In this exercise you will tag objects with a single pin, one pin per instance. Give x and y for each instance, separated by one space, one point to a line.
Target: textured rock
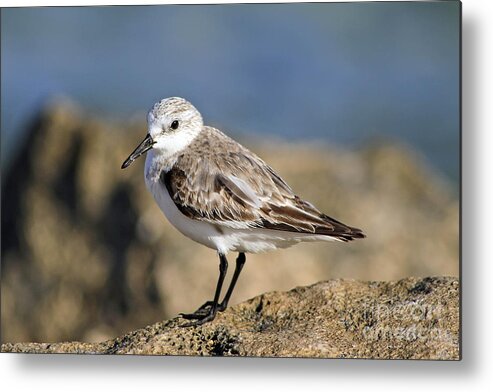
411 319
88 255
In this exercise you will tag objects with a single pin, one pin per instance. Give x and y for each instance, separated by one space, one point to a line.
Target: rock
407 319
88 255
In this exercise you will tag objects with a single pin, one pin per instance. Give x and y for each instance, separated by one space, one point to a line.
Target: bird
222 195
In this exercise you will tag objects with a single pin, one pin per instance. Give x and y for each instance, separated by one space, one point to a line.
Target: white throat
169 144
165 151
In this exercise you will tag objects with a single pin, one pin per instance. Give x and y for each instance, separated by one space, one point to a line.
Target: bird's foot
199 320
204 311
202 315
207 312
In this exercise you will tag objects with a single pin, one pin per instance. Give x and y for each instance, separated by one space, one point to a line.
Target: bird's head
172 124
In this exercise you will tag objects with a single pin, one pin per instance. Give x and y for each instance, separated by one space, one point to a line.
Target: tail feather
340 230
290 220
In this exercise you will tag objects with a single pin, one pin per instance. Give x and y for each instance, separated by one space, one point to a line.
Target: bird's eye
174 124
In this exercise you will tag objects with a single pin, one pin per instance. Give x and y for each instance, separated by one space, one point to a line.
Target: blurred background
364 95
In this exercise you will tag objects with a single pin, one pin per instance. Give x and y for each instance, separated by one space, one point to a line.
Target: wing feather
235 187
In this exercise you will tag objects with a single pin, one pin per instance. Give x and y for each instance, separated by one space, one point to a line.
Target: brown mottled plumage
218 180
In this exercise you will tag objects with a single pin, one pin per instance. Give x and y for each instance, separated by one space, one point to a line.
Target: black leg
203 315
240 262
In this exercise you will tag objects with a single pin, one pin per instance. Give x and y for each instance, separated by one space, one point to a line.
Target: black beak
144 146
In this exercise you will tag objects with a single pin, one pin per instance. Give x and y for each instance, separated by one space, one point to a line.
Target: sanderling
220 194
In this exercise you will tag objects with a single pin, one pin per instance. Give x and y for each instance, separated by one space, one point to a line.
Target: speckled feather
218 181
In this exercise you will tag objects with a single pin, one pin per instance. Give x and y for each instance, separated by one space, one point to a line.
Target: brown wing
236 188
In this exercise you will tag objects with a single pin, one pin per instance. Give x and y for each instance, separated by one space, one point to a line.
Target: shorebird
221 195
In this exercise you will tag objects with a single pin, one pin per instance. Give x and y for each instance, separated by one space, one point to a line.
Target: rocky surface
87 255
408 319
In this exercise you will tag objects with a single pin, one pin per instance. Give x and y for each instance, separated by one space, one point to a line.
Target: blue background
342 73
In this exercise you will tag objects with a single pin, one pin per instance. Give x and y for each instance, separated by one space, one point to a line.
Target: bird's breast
199 231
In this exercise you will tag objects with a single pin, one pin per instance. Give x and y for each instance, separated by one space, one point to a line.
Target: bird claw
200 313
194 316
209 317
203 311
200 316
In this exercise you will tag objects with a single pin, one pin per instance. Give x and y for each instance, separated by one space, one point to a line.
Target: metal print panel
290 188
